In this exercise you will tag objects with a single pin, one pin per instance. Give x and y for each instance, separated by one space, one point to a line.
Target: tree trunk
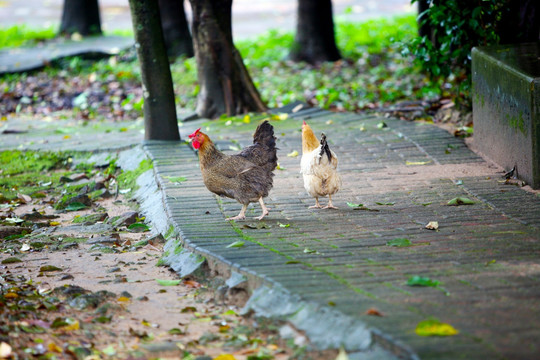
225 84
315 40
160 122
80 16
175 28
424 29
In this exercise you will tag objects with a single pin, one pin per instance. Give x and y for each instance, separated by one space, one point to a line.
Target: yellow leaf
66 137
123 299
72 325
225 357
434 327
146 323
54 223
11 295
247 119
282 116
417 162
54 348
123 129
293 154
329 122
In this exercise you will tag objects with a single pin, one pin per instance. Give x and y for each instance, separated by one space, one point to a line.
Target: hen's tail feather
264 135
325 149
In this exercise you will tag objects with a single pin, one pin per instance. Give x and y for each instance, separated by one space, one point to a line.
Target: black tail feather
264 135
324 149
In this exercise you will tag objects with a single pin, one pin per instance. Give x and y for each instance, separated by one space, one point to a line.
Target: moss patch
128 179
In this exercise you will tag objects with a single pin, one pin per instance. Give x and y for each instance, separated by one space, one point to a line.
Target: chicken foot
241 215
329 206
317 205
264 210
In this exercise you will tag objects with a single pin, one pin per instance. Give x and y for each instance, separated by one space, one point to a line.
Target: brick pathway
337 264
485 255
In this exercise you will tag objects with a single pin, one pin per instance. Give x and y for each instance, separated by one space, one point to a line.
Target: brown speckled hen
246 176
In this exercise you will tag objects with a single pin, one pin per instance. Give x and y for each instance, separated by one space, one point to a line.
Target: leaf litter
68 294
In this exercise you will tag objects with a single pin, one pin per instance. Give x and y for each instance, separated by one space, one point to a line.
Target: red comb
305 122
195 133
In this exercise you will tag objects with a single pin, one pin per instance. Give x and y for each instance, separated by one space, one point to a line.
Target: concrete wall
506 107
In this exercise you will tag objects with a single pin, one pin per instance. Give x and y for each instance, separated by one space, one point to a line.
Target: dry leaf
433 225
373 312
24 198
192 284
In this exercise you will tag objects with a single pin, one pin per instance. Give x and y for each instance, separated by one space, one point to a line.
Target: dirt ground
149 312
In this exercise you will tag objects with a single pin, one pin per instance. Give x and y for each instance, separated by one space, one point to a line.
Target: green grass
373 72
19 35
28 172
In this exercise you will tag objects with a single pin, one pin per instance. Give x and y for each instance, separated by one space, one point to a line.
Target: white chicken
319 168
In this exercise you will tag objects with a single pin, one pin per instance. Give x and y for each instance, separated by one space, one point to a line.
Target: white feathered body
320 173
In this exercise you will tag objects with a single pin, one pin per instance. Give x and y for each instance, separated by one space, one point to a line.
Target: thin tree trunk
315 39
175 28
160 122
80 16
225 84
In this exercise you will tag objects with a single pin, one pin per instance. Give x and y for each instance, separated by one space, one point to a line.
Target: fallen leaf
138 227
293 154
54 348
460 201
76 206
434 327
401 242
422 281
24 198
373 312
176 331
225 357
284 225
48 268
123 299
188 309
25 247
192 284
385 203
11 260
417 162
236 244
433 225
168 282
381 125
279 167
54 223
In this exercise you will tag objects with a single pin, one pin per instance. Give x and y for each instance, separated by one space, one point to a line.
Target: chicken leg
264 209
241 215
329 206
317 205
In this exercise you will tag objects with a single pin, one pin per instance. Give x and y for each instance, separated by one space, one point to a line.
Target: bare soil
146 319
